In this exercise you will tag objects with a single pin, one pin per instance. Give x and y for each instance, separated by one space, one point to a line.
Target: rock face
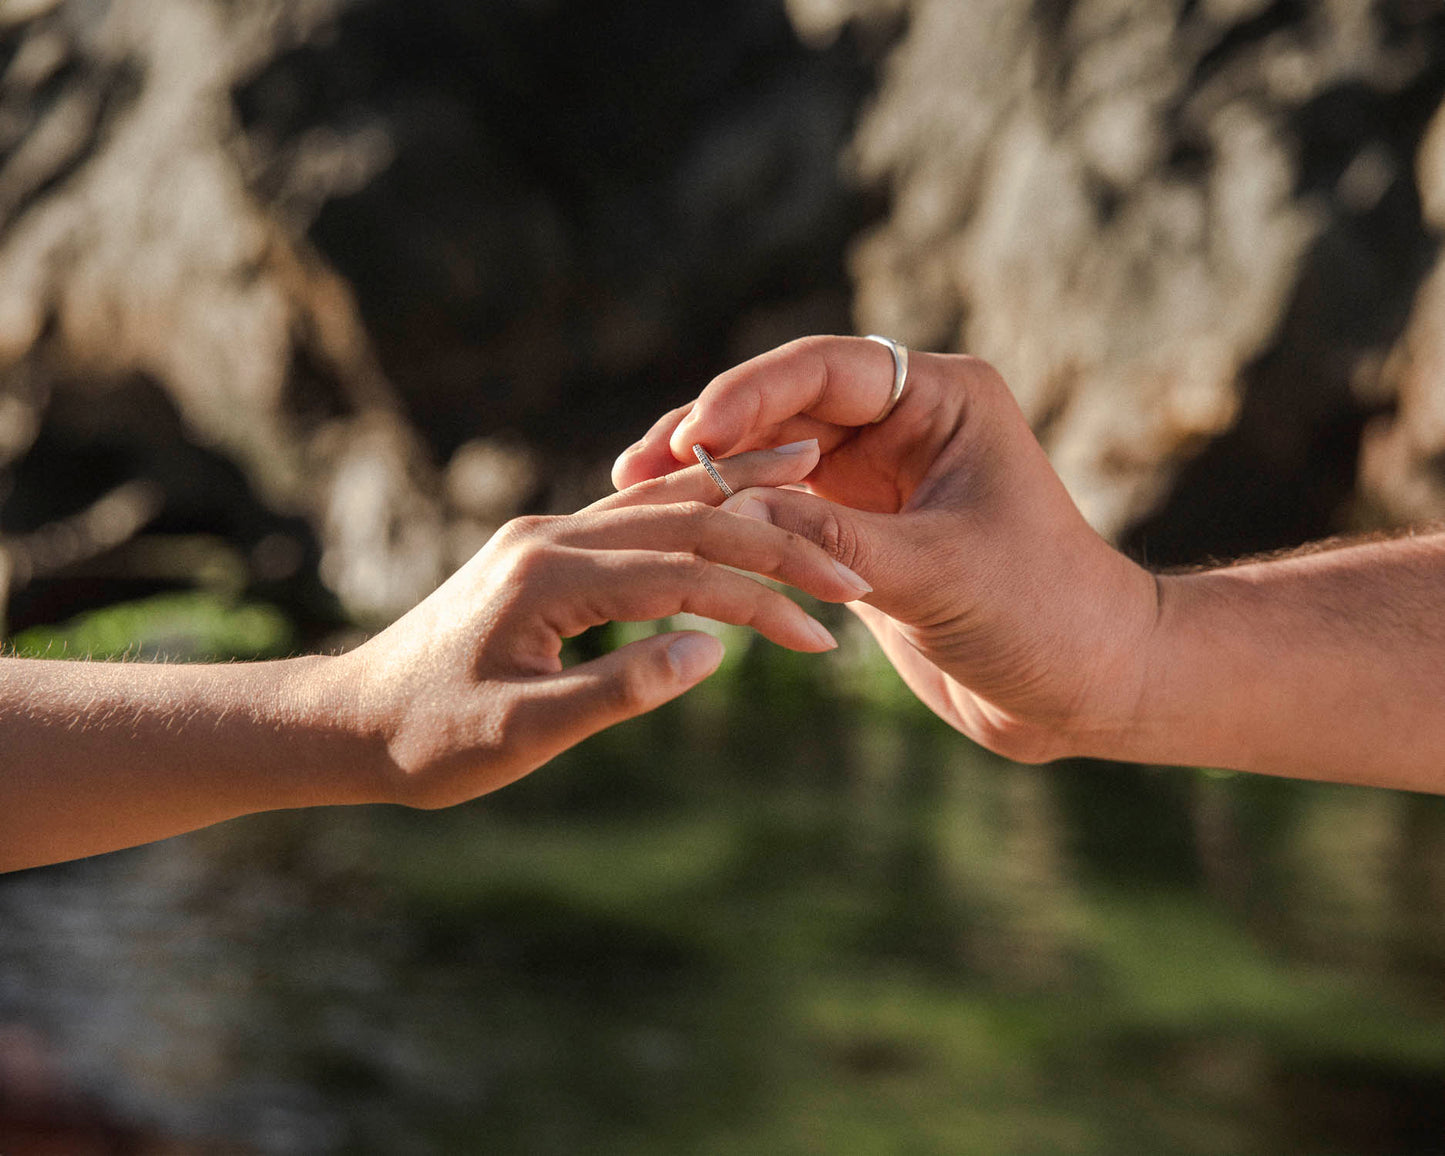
134 248
1402 455
372 275
344 240
1165 220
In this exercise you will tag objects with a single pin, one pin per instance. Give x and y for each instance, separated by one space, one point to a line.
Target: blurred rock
1144 212
133 245
1402 464
487 481
345 238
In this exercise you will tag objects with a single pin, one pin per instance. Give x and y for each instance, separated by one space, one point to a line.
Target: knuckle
531 560
522 535
633 690
839 539
691 568
983 379
524 529
697 514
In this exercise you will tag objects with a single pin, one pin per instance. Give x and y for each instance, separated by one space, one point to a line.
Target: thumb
868 543
560 710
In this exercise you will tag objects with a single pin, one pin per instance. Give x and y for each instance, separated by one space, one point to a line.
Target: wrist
343 758
1115 712
1194 676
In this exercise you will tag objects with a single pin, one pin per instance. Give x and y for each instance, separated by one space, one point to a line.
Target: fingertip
621 478
694 656
684 437
822 638
641 462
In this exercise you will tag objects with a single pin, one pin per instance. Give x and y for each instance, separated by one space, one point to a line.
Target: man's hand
998 604
1021 627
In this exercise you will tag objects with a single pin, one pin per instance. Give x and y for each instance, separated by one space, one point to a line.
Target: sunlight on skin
462 695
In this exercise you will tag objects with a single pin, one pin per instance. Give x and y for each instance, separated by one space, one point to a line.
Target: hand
468 691
462 695
992 596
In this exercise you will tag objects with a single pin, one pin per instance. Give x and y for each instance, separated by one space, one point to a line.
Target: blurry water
790 914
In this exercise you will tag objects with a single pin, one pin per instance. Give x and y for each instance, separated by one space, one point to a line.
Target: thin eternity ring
706 459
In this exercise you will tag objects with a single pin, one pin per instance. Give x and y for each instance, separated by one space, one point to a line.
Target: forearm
1327 665
97 756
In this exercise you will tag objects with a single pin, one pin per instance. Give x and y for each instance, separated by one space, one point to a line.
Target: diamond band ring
706 459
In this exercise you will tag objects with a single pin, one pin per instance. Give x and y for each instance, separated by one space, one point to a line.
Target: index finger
778 466
840 381
814 387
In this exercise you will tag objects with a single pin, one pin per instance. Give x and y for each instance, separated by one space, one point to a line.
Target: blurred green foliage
185 626
793 913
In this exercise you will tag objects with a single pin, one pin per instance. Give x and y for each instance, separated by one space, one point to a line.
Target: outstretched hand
468 691
462 695
999 605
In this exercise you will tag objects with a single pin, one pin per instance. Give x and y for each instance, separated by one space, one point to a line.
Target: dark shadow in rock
1284 474
578 219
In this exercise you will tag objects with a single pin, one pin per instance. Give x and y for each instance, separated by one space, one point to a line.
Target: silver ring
900 372
706 459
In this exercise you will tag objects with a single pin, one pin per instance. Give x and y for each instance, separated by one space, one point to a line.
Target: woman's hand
998 604
464 694
467 692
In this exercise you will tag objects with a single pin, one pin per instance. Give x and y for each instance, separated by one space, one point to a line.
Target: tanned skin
1021 627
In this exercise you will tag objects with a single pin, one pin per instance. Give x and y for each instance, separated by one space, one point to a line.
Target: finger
843 381
649 456
772 467
653 456
718 536
560 710
877 547
583 588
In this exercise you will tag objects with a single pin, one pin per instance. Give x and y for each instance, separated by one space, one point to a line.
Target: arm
462 695
1327 664
1018 625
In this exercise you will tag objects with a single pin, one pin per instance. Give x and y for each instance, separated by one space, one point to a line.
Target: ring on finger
900 372
706 459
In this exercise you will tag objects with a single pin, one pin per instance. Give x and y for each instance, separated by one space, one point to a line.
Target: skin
461 696
1025 630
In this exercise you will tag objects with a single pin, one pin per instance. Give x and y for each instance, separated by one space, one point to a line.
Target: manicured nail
801 447
752 508
853 579
694 656
820 632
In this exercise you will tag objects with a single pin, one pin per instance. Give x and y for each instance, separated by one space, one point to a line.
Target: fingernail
694 656
801 447
820 632
851 577
752 508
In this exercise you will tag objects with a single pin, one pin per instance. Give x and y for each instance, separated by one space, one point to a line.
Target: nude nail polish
851 577
820 632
